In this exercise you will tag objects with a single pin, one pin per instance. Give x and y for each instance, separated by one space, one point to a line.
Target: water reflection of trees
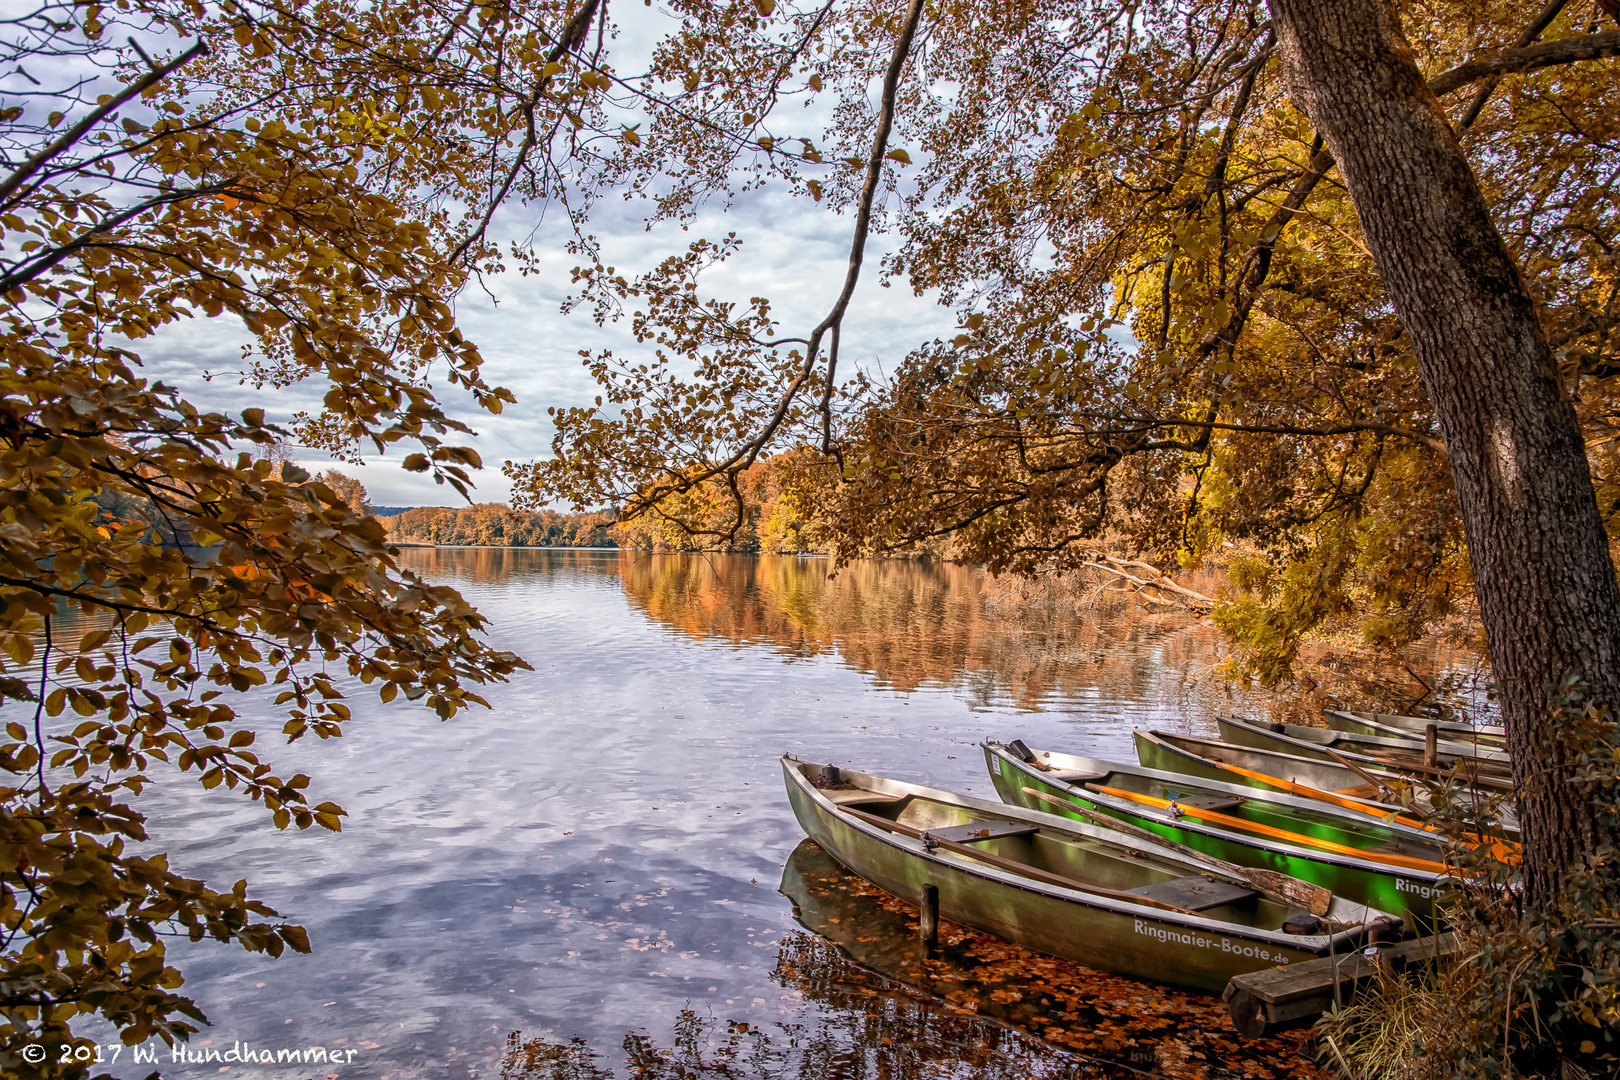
909 624
492 565
912 625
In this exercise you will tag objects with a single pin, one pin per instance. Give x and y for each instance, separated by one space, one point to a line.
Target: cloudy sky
794 253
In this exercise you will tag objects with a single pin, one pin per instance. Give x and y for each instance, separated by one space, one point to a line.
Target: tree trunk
1544 579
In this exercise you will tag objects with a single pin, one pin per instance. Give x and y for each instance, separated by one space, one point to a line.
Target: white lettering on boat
1417 888
1187 937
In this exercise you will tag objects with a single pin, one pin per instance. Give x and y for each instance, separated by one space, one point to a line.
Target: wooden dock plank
1262 1001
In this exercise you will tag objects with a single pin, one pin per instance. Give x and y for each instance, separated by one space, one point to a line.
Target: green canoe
1365 750
1212 759
1393 867
1479 736
1078 891
1312 777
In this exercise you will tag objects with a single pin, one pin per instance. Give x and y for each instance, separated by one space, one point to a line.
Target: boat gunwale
1468 735
1487 729
1282 798
1165 739
1320 944
1193 824
1461 751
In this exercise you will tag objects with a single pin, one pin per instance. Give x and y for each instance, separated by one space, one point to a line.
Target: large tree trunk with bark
1544 579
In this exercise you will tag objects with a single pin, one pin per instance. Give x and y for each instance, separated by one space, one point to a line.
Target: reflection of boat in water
1062 887
981 995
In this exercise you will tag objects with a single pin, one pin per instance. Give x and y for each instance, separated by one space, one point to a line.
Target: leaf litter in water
977 1007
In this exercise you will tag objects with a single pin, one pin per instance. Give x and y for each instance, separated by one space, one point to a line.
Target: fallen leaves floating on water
1107 1019
876 1004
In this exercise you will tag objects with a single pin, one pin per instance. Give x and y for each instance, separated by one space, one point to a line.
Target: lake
585 880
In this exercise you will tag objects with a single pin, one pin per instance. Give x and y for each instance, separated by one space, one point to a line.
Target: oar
1377 784
1305 791
1494 777
1022 869
1485 781
1287 890
1506 850
1301 839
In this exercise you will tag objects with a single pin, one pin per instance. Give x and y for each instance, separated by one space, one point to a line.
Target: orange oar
1318 794
1506 850
1405 861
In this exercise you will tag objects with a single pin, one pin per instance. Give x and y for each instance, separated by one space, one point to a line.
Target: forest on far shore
497 525
771 520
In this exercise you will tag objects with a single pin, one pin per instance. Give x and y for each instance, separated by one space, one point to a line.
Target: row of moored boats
1271 845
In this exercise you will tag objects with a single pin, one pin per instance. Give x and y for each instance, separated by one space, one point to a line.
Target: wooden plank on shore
1262 1001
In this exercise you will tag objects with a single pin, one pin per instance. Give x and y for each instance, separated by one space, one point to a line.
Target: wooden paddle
1377 784
1475 776
1404 861
1022 869
1280 887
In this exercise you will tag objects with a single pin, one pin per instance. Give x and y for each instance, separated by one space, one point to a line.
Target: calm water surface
595 862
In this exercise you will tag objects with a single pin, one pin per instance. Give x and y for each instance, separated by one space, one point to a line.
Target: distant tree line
704 519
497 525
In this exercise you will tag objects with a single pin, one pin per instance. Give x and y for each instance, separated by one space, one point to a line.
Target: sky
794 252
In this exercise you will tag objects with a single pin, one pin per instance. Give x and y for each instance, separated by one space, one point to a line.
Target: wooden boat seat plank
974 831
858 797
1210 801
1195 892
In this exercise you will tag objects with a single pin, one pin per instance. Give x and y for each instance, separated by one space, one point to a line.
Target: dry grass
1393 1027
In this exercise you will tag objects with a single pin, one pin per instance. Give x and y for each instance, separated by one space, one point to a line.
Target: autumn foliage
155 566
491 524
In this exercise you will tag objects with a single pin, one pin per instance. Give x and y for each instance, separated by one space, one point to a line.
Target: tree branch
51 257
1547 54
573 34
1419 437
749 452
28 168
1542 20
1195 600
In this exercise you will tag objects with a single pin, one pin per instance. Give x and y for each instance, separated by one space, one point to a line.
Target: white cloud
794 252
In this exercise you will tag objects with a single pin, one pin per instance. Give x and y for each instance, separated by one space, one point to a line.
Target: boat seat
1076 776
972 831
1212 803
1194 892
860 797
